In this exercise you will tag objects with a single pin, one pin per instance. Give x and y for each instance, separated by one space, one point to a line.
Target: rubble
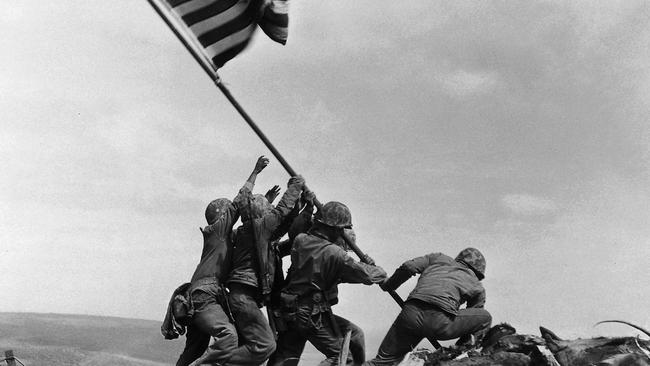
502 346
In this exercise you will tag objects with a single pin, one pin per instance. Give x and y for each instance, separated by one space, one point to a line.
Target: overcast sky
519 128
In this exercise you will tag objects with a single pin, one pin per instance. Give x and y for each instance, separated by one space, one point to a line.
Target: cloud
527 205
463 83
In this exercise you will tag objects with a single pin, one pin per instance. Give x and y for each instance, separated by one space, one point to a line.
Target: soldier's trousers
209 321
256 340
419 320
322 334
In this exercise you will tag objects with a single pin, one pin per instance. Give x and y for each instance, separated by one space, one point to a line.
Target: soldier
432 308
253 271
318 265
209 318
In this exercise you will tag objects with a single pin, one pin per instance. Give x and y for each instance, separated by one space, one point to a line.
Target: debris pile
503 346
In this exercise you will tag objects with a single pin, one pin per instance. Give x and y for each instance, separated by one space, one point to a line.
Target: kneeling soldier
432 308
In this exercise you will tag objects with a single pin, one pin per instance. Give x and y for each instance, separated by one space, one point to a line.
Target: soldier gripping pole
392 293
212 73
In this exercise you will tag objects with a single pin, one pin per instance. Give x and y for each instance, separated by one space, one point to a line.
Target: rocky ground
503 346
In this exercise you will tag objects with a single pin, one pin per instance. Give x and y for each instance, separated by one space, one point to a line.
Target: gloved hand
308 197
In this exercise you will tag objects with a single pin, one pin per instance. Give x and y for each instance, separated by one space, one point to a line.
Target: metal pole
256 129
217 80
200 59
398 299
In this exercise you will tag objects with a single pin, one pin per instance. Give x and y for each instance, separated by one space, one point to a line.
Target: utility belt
316 303
183 305
316 300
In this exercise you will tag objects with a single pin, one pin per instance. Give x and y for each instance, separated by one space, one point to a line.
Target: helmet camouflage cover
216 209
258 205
335 214
473 258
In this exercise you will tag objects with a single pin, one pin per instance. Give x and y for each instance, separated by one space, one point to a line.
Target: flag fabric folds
223 28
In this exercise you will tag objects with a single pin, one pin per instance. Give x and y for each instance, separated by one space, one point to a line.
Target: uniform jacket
217 245
443 282
319 265
253 260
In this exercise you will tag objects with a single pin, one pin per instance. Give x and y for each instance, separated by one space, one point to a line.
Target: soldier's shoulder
335 250
304 239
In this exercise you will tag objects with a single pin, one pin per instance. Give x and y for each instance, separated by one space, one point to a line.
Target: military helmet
474 259
257 206
335 214
216 209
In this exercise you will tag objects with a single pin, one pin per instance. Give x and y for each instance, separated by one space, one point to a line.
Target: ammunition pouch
313 305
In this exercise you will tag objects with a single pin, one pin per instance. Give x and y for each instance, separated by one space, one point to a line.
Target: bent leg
475 321
212 320
290 345
196 343
402 337
257 341
357 340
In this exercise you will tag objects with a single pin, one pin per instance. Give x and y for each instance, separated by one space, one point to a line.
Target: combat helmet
335 214
257 206
216 209
474 259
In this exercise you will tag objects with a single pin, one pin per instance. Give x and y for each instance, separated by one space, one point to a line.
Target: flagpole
217 80
208 70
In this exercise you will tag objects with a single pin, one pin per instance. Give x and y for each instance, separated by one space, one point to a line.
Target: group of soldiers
240 271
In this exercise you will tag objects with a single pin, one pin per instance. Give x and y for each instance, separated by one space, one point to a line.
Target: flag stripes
224 28
275 22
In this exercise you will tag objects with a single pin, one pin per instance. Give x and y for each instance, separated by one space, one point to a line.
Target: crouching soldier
206 292
432 308
318 264
253 271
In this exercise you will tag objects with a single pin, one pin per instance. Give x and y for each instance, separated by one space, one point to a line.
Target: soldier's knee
269 349
487 319
226 342
262 351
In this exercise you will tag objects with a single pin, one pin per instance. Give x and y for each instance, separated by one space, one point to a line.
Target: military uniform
432 309
253 273
317 266
209 318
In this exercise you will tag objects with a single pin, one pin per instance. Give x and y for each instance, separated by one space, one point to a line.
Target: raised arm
246 191
261 163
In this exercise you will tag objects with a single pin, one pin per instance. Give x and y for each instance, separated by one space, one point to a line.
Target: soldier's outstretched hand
308 197
262 162
272 193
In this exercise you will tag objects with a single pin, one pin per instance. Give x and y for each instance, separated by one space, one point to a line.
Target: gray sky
519 128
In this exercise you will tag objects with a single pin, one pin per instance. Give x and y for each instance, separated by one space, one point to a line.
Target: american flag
223 28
